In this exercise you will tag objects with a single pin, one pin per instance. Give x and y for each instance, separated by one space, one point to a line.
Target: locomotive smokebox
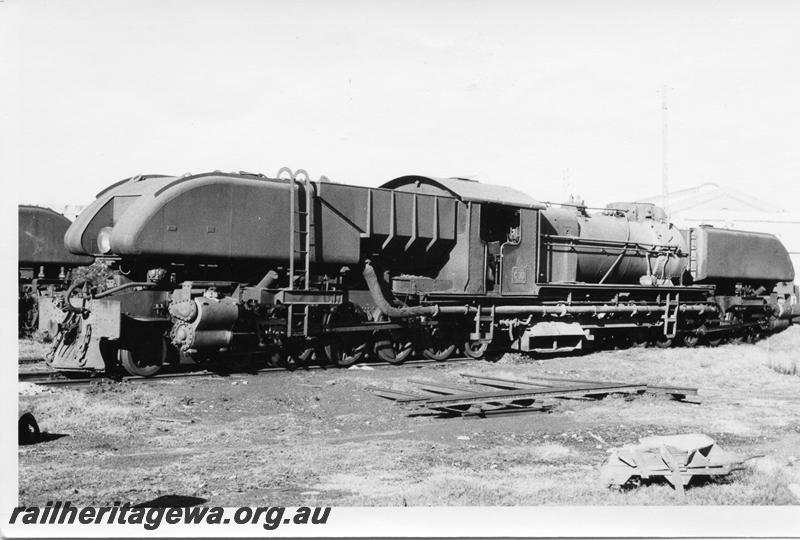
626 243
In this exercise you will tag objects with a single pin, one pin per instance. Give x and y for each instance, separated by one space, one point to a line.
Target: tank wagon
290 269
44 267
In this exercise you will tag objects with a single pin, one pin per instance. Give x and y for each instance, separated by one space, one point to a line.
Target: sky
552 98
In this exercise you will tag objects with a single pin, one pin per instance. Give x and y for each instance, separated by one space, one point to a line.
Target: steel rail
53 377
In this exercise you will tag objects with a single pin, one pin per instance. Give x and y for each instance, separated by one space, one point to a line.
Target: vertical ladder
693 252
484 326
299 232
671 316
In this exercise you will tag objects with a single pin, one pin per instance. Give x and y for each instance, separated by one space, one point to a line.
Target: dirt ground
319 438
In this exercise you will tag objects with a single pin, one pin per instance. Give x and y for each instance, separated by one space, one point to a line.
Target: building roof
712 197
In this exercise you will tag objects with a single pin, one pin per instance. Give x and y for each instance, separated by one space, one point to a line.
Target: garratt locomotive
288 269
44 266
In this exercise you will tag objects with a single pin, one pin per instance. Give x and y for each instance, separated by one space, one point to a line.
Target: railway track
30 360
52 378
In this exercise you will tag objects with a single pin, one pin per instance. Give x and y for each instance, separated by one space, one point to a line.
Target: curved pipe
270 278
68 304
374 285
398 313
130 285
108 292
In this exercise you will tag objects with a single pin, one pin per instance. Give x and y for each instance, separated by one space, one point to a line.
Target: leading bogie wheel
145 357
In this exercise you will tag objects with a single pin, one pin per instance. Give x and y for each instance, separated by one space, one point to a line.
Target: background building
712 204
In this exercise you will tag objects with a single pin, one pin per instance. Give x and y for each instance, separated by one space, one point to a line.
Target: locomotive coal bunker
216 265
44 266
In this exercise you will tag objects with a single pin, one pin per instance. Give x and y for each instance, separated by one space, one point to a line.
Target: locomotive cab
500 225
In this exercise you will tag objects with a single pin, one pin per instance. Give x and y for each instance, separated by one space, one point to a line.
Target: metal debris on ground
28 428
511 395
674 458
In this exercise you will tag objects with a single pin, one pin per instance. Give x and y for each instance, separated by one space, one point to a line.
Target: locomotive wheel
740 337
440 347
345 353
440 353
662 342
297 359
393 350
274 357
690 340
345 350
144 358
475 349
393 346
639 339
714 342
754 335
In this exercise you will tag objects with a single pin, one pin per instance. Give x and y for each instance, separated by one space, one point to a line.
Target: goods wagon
44 267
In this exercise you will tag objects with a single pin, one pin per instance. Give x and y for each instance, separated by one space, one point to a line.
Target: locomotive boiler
223 265
44 266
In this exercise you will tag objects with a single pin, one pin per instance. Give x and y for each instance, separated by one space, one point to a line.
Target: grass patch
785 365
123 412
33 347
783 351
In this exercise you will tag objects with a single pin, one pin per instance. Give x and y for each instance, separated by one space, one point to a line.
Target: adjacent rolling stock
44 266
290 269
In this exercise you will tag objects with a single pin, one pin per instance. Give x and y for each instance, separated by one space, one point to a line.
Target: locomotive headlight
104 240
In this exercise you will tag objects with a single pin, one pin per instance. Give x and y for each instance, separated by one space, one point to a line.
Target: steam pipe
570 310
383 304
374 285
107 292
129 285
268 279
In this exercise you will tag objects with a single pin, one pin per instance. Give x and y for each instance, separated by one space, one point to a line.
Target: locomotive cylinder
210 326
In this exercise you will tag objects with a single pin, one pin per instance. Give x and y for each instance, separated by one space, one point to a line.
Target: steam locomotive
285 270
44 267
